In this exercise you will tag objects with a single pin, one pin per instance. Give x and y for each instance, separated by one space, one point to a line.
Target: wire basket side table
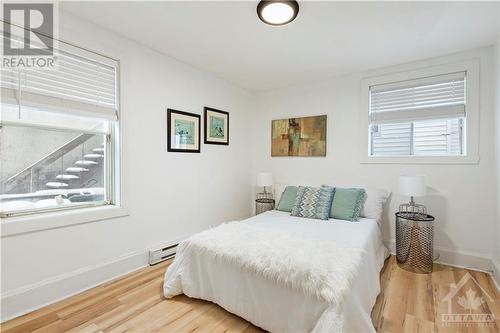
263 205
414 241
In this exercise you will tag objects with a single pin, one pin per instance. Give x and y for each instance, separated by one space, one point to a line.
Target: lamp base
412 207
265 194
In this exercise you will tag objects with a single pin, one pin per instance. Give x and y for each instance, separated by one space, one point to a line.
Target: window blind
81 83
421 117
437 97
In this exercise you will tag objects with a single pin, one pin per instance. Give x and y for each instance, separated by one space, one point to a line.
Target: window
423 117
59 134
426 115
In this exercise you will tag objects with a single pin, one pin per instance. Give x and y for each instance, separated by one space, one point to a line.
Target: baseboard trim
459 259
29 298
464 260
496 274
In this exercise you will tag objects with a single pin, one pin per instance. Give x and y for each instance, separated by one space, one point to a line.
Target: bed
277 307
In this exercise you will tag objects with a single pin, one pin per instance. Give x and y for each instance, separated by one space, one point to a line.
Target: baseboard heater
159 255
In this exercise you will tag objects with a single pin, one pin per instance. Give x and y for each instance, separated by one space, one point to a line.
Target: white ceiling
326 39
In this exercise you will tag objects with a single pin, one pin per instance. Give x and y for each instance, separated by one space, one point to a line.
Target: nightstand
414 241
263 205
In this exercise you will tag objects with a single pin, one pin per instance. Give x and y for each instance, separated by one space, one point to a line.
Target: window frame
471 67
19 222
58 217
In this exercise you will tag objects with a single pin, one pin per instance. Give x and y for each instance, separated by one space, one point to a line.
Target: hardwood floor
408 302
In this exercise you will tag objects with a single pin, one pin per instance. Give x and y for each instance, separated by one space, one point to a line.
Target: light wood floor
408 302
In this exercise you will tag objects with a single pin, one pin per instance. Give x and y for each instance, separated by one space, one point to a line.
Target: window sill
419 160
24 224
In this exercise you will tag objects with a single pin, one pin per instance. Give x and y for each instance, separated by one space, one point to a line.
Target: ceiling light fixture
277 12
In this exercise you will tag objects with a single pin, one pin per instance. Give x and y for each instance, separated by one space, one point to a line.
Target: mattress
276 308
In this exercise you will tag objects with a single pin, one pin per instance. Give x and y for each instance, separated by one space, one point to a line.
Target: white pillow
278 191
374 204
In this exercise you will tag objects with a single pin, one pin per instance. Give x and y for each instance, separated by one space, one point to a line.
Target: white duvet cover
274 306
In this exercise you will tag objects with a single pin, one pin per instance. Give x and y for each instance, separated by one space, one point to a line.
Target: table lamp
412 186
264 179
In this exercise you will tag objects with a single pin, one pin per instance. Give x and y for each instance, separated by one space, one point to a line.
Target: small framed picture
216 126
183 131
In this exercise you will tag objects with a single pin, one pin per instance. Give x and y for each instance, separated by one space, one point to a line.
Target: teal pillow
287 199
313 202
347 203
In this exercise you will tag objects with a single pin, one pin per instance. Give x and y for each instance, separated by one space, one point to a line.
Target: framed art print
183 131
304 136
216 126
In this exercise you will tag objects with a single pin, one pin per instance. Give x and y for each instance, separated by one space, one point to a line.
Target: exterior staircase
74 172
71 166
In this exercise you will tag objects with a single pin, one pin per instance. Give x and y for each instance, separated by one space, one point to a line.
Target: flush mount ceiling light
277 12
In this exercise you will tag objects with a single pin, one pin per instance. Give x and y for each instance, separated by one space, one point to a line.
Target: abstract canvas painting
304 136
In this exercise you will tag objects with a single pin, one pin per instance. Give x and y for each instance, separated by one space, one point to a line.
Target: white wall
462 197
171 195
168 195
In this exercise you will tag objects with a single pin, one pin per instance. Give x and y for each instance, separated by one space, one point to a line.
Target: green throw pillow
347 203
287 199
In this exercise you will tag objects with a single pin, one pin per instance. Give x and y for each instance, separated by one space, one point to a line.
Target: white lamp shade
264 179
412 186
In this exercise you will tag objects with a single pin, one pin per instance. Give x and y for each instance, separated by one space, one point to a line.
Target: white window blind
422 117
82 83
429 98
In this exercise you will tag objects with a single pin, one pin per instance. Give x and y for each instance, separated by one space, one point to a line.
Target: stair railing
50 158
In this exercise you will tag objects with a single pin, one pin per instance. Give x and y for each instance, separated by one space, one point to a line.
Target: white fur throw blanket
316 268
